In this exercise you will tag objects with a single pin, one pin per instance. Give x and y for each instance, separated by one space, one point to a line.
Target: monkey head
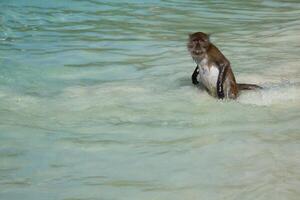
198 44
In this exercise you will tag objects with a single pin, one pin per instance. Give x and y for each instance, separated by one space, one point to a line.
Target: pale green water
96 101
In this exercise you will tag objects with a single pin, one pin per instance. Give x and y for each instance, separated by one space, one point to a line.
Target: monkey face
198 44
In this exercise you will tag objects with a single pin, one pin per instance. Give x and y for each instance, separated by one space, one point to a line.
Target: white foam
276 94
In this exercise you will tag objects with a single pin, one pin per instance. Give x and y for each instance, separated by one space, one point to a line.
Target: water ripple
96 101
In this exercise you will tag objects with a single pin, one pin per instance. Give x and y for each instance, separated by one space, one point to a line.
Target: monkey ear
208 35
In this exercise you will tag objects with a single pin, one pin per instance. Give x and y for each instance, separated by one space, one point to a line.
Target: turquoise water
96 101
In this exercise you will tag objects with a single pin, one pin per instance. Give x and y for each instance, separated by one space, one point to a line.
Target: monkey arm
194 76
223 67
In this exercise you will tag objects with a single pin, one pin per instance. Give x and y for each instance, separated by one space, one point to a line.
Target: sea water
96 101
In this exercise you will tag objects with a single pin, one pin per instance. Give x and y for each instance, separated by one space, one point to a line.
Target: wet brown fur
200 47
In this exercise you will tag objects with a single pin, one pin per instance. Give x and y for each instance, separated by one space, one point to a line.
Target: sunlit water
96 101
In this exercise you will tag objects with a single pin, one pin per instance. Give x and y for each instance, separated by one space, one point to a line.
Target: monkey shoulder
216 57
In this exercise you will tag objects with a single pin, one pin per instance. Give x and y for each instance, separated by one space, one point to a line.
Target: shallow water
96 101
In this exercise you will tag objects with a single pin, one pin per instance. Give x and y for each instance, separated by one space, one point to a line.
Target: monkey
213 68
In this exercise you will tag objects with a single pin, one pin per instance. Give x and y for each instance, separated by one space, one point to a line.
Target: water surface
96 101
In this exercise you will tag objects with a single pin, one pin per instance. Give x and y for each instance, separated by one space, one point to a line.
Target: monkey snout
197 52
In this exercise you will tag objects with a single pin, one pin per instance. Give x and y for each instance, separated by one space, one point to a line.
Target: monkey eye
195 41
